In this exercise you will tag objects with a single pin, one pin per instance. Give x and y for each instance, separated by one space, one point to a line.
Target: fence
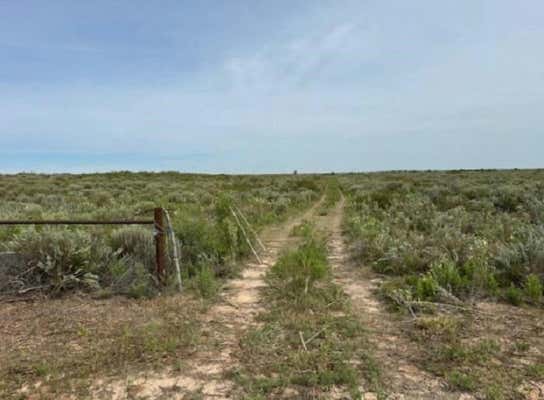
160 217
157 222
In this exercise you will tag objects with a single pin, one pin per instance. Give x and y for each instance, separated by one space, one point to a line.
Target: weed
304 229
514 295
494 392
426 288
533 288
300 269
461 381
536 371
521 347
205 283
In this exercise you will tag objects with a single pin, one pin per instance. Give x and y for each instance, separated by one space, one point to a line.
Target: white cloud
338 82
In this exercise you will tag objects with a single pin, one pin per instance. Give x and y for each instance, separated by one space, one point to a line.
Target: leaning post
160 245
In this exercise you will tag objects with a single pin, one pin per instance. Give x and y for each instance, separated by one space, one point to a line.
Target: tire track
402 378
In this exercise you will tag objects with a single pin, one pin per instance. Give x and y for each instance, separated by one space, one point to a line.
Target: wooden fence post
160 245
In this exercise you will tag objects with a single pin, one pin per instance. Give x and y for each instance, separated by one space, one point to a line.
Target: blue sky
270 86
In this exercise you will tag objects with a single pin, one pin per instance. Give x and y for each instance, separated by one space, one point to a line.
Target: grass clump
514 295
333 194
461 381
299 270
304 229
59 260
533 288
205 283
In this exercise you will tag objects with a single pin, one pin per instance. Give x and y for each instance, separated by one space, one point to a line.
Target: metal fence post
160 244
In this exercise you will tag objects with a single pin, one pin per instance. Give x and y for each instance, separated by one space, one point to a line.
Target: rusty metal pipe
75 222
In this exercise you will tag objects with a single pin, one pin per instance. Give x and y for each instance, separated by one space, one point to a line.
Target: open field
457 259
404 285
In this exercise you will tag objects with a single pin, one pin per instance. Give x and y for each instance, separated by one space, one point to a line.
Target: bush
461 381
470 234
426 288
61 259
102 199
507 200
514 295
136 242
207 243
199 207
446 274
533 288
131 278
516 261
204 282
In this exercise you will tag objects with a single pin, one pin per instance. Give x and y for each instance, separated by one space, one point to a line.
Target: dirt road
402 378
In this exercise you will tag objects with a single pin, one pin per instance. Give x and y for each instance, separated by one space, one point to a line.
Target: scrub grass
63 346
308 342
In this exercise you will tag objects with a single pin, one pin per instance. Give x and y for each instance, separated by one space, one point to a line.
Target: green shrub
214 242
102 199
205 283
446 274
481 278
461 381
514 295
486 226
533 288
426 288
61 259
129 277
302 267
536 371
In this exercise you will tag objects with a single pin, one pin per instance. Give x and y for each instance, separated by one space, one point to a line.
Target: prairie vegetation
457 260
471 234
119 260
461 256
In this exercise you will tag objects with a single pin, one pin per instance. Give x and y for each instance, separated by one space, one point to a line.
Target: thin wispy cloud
273 86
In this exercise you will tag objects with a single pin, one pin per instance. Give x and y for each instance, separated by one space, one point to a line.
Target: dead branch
246 237
316 335
26 290
302 340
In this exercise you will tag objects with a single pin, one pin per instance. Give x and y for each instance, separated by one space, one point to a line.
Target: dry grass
59 346
493 351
